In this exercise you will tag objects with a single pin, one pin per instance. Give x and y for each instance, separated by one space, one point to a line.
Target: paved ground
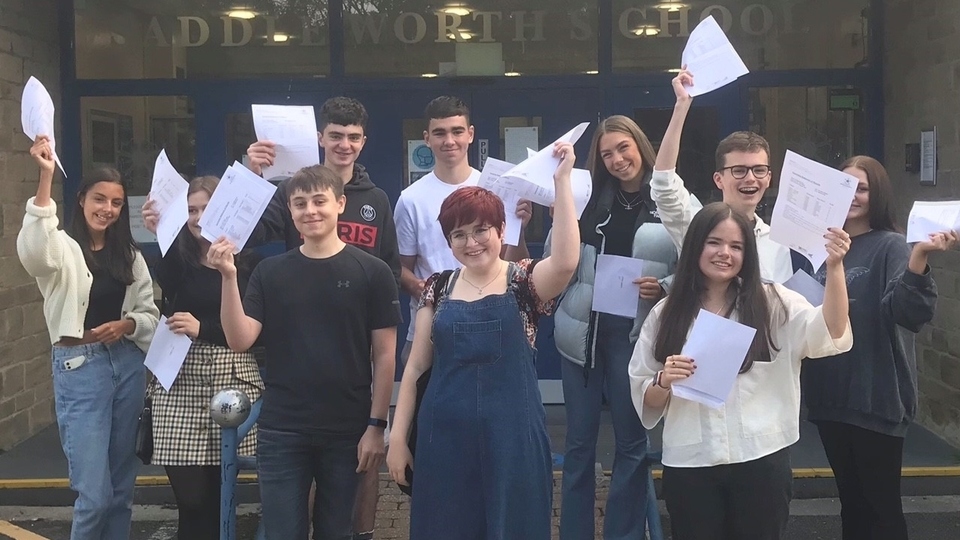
929 518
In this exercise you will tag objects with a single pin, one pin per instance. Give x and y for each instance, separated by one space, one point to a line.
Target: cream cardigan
56 261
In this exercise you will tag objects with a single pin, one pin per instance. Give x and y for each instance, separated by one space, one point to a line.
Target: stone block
11 67
11 380
36 371
950 371
41 414
11 323
33 320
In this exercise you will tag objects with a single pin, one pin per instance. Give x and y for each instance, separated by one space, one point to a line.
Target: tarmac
35 497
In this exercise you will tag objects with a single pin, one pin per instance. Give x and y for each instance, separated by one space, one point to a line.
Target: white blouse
762 413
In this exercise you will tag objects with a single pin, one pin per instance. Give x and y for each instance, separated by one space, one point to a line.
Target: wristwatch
376 422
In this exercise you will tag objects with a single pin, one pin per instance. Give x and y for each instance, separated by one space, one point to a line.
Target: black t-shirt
318 316
620 230
106 294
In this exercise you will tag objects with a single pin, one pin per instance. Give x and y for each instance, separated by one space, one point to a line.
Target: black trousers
740 501
197 490
866 465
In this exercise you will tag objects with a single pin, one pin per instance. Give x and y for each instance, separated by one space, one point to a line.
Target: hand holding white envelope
37 115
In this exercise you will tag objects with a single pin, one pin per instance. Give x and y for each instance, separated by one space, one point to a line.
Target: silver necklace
627 205
717 312
480 289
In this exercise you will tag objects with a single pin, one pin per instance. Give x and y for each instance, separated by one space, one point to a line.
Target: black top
106 294
620 230
318 316
196 289
366 221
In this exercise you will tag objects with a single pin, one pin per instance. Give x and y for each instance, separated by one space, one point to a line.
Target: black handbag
144 443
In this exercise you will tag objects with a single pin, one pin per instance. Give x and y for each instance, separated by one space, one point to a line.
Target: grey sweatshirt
874 385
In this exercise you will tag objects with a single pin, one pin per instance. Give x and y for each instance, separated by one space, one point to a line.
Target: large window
166 39
388 38
821 123
649 35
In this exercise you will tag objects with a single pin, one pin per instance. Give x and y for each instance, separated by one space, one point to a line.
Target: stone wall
29 46
922 90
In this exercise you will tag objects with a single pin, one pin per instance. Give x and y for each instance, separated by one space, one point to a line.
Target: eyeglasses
740 171
481 236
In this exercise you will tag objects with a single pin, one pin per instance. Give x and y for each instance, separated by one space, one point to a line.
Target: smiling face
620 155
860 207
743 194
476 244
341 144
449 138
315 213
722 256
101 205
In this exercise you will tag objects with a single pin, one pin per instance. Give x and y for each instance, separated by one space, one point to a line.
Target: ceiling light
591 72
674 70
670 5
456 9
464 34
280 37
512 74
428 75
241 13
646 30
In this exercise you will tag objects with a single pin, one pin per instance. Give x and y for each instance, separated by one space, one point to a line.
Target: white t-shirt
418 231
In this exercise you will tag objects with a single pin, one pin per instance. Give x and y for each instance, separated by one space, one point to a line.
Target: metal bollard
232 410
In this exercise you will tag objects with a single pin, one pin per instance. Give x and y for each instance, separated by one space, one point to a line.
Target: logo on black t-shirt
343 284
368 213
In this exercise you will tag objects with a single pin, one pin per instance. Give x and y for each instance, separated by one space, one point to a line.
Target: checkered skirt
183 431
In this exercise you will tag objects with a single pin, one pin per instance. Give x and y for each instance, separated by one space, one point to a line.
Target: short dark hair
343 111
740 141
881 211
446 107
314 178
469 204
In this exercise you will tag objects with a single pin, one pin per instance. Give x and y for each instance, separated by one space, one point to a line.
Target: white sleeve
40 244
674 203
406 228
643 369
144 312
808 330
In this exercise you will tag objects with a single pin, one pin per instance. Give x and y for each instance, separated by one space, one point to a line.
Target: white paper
931 217
166 354
614 291
812 198
37 115
710 58
236 206
168 190
293 129
533 177
718 347
807 286
491 172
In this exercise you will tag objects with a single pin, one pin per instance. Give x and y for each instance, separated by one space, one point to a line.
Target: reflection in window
389 38
819 123
128 133
648 35
143 39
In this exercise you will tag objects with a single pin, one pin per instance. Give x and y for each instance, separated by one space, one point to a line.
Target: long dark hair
617 124
683 302
881 212
118 245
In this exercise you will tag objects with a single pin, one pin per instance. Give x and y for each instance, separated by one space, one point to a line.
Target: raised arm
553 274
240 329
836 304
39 244
670 146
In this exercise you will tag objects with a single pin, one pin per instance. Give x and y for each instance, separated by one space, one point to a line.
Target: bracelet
376 422
657 380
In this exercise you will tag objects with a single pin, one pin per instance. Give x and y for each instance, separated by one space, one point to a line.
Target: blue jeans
624 517
287 463
98 402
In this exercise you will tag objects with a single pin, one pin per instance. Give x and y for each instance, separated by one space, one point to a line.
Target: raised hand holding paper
812 198
236 206
37 115
718 345
168 190
931 217
293 129
709 55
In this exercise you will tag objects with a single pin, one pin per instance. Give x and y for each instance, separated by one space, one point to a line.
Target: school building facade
829 78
